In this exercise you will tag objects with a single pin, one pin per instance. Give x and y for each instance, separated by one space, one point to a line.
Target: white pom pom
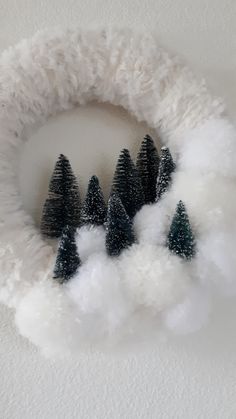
90 240
210 147
153 276
189 315
97 290
48 318
150 224
216 261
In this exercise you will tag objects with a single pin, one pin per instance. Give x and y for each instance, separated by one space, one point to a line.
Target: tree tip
114 200
125 151
181 207
62 157
94 179
148 138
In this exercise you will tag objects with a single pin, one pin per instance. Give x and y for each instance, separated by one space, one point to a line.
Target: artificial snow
90 239
153 277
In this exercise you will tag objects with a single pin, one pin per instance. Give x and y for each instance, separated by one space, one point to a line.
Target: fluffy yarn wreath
51 73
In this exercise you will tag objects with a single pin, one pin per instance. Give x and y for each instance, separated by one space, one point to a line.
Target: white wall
192 377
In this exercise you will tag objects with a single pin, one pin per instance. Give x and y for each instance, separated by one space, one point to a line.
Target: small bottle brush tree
94 208
62 207
166 169
127 184
67 261
119 227
180 238
148 168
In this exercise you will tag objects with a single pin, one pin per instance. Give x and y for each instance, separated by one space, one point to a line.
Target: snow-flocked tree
62 207
127 184
166 169
119 229
94 208
148 168
181 240
68 260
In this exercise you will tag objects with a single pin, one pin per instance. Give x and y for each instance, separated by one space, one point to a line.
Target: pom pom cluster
138 254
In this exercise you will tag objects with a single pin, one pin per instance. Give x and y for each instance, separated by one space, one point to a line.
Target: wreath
149 261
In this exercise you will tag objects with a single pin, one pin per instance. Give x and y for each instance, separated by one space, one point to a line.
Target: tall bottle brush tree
181 240
94 208
62 207
119 234
166 169
148 168
68 260
127 184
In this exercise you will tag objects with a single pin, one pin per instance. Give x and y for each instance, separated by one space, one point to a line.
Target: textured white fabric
53 72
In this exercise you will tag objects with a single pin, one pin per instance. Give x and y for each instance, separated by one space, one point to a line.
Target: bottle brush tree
119 229
127 184
94 208
166 169
148 168
62 207
68 260
180 238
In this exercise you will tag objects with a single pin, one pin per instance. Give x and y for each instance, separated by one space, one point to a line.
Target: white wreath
108 298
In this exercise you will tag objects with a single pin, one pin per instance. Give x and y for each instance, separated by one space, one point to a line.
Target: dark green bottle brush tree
94 208
148 168
127 184
181 240
119 229
62 207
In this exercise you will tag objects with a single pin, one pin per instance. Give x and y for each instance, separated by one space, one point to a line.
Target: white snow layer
89 240
100 301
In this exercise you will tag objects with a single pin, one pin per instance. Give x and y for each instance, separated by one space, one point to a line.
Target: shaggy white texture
108 295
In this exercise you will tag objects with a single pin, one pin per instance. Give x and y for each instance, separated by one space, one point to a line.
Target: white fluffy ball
189 315
154 278
216 262
97 291
210 147
90 239
48 318
150 224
